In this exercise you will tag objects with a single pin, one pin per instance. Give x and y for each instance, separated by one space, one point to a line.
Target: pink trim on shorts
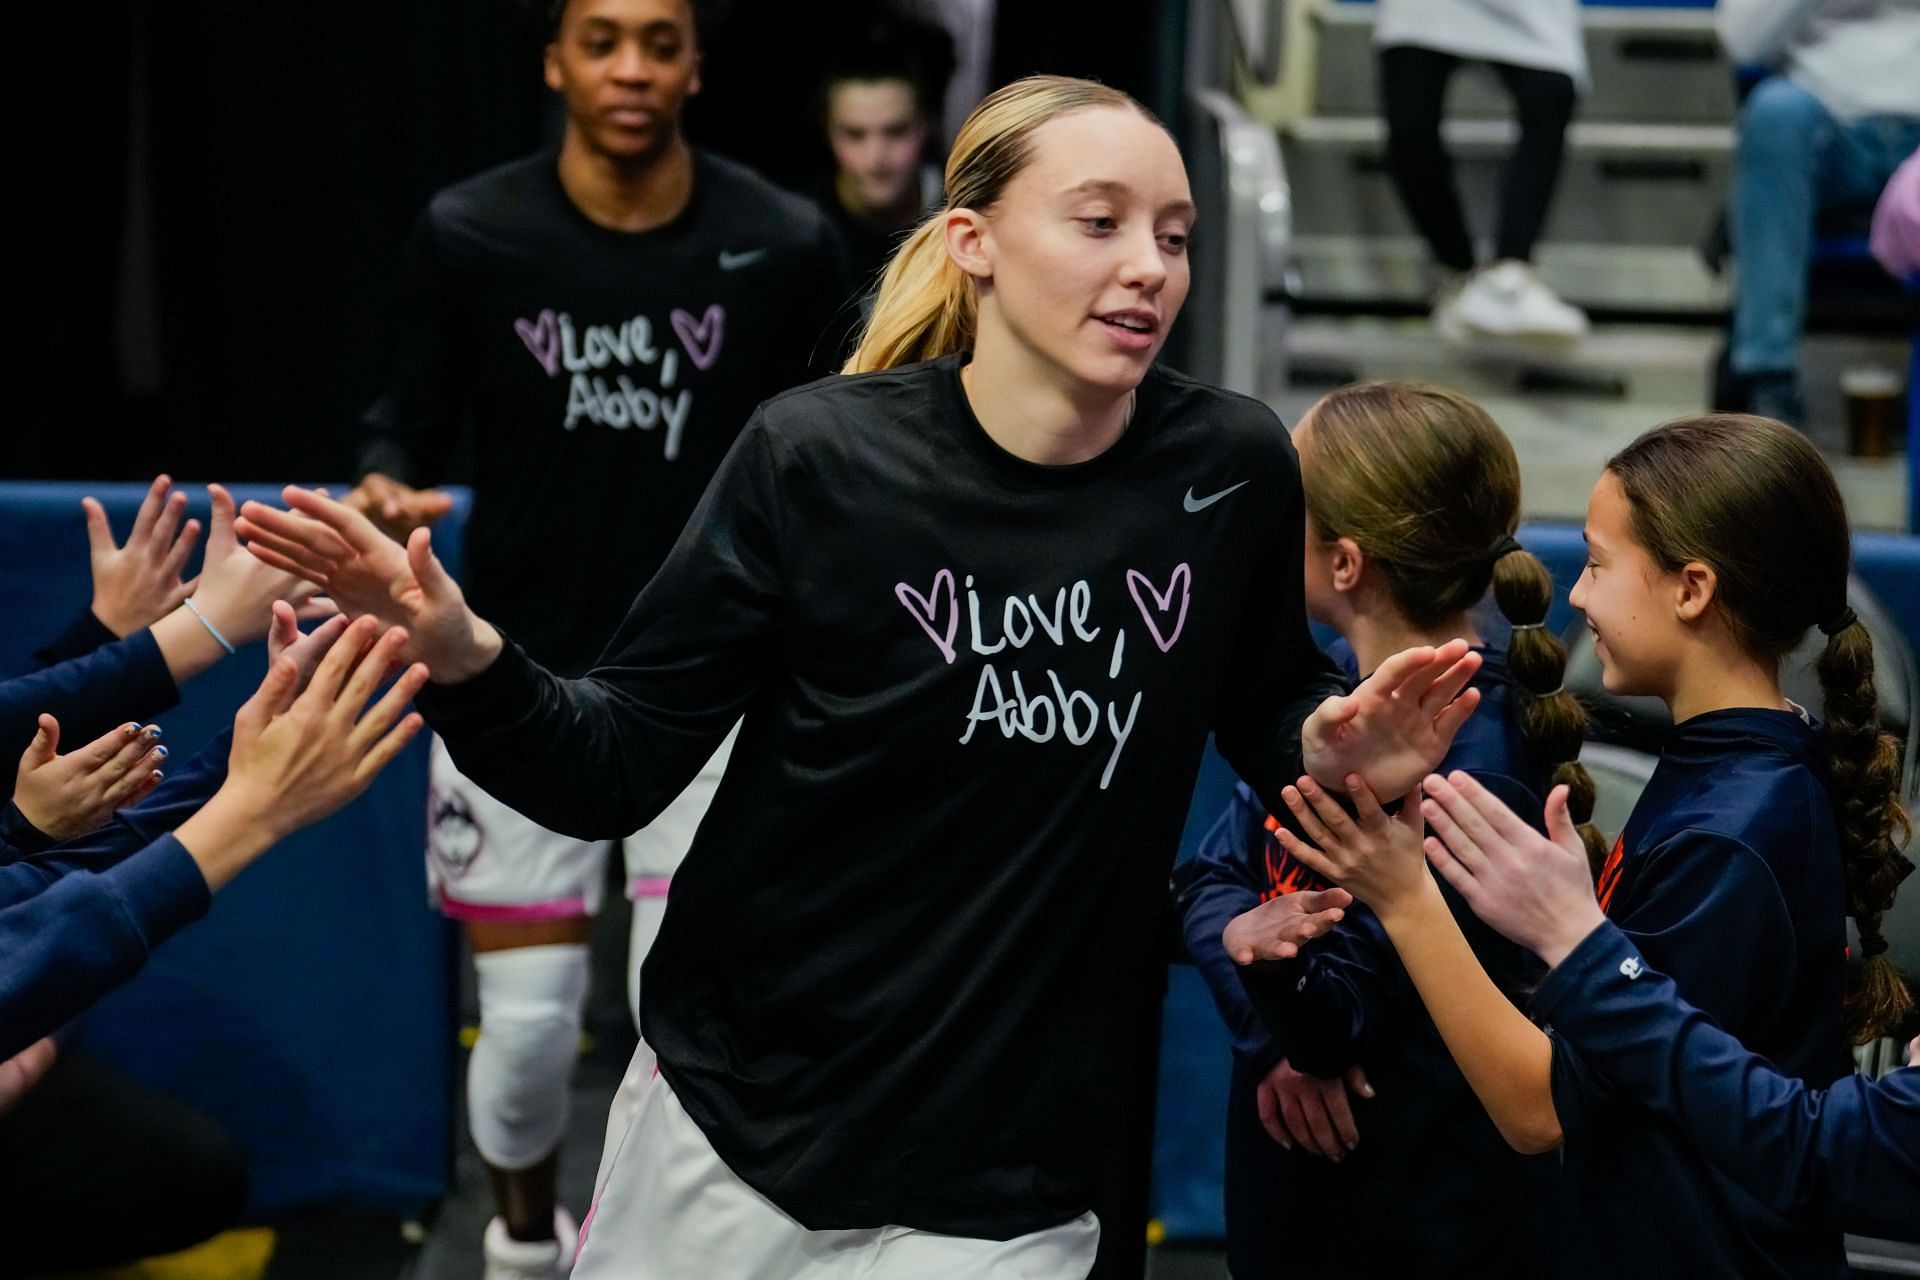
514 913
586 1225
649 886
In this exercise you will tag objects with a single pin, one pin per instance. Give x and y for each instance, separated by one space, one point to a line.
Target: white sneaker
1508 300
510 1259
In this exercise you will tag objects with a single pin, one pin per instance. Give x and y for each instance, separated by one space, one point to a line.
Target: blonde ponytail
924 307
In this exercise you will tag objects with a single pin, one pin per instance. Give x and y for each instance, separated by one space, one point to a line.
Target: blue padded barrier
312 1010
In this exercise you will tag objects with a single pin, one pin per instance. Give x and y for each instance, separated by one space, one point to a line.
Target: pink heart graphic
543 339
1181 582
925 608
701 337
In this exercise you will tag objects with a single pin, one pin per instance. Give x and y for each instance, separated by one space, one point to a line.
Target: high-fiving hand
64 796
300 753
367 573
1535 889
1398 724
397 509
1275 929
1374 855
138 583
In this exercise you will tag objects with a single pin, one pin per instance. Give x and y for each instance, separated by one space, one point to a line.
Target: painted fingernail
131 729
153 732
158 776
159 753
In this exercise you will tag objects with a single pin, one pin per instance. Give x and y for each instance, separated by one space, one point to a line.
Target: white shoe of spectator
1509 300
510 1259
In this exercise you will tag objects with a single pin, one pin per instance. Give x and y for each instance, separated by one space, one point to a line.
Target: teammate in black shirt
878 100
980 607
602 321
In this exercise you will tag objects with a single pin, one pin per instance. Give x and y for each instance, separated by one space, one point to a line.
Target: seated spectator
879 103
1825 132
1534 47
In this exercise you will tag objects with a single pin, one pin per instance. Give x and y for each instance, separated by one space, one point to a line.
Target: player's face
625 68
1627 598
1087 248
878 135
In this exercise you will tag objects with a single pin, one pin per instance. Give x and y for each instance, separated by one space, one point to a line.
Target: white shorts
487 862
666 1207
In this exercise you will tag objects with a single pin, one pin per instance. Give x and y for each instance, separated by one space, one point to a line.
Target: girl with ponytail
980 605
1412 498
1714 545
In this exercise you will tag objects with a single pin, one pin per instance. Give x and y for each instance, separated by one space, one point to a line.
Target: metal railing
1236 338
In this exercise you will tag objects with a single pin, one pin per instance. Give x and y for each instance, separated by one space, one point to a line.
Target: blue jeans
1792 160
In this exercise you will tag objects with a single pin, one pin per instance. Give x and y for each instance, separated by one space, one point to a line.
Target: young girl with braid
1412 495
1714 545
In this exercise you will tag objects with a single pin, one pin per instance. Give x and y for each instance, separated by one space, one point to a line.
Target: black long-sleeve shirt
603 376
895 974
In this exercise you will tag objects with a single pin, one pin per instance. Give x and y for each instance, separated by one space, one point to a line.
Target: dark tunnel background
215 195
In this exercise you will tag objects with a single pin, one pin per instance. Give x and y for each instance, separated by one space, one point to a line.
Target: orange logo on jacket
1285 874
1610 874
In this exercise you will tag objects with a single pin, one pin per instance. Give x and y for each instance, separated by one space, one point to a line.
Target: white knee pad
517 1079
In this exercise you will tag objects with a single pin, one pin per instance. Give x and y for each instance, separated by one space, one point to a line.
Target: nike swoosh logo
1201 504
735 261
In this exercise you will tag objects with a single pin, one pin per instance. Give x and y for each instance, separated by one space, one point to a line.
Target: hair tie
1528 626
1550 693
1504 545
1871 945
1835 625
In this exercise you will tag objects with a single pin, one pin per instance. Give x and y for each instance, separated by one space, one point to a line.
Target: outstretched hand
235 592
397 509
1535 889
1275 930
1397 725
367 574
1371 853
64 796
300 753
137 583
